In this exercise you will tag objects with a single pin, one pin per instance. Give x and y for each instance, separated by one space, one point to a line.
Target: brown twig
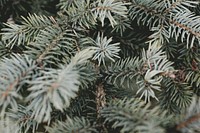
188 121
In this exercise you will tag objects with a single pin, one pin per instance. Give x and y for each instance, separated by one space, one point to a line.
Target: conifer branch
12 80
15 34
188 121
82 67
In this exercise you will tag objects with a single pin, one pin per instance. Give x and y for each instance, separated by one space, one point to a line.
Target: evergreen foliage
100 66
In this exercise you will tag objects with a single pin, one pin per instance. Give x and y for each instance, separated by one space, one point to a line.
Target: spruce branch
80 14
123 72
175 95
64 5
51 45
105 50
122 25
15 72
8 126
55 88
22 118
79 125
178 5
15 34
148 13
147 72
106 8
189 120
159 15
185 25
132 115
82 69
193 77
